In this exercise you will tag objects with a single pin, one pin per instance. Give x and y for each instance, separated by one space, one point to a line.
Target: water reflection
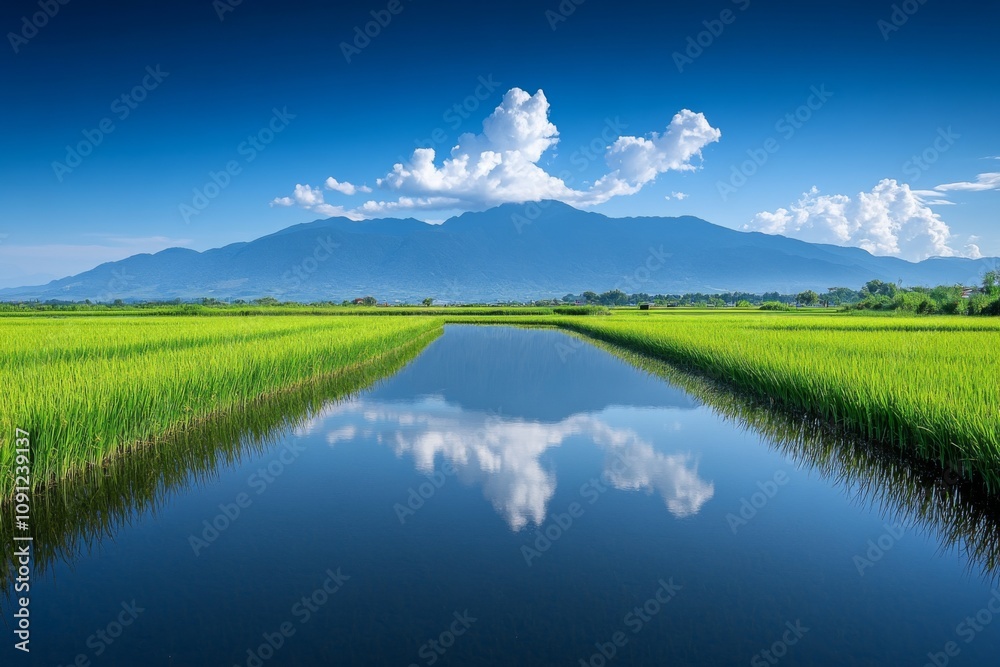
72 518
960 515
504 455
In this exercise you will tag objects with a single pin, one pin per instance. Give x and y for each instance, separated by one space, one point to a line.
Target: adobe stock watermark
301 272
966 631
562 12
585 155
643 273
117 285
880 546
247 151
30 25
561 522
417 496
121 108
634 621
302 611
432 650
923 161
786 127
258 482
223 7
455 115
750 507
632 283
105 637
364 34
898 17
773 654
698 43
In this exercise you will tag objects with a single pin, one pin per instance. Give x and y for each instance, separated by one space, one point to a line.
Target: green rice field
87 388
928 385
91 387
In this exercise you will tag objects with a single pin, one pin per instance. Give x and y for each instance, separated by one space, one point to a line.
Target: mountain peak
510 252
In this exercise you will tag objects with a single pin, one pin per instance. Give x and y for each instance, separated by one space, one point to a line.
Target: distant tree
266 301
991 282
839 295
640 297
775 305
614 297
369 301
945 293
743 303
589 297
807 298
879 288
428 301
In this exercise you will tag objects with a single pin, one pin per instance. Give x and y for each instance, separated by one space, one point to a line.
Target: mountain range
511 252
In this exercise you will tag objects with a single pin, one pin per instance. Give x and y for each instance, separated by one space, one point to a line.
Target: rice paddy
926 385
89 388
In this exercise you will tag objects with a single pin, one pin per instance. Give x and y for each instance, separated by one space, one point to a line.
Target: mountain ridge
497 254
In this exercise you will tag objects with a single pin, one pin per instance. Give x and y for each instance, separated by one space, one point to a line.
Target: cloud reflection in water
503 455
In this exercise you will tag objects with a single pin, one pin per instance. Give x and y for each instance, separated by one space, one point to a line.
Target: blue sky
265 96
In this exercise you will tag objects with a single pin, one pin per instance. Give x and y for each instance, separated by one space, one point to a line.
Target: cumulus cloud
311 199
501 164
987 181
677 195
891 219
344 187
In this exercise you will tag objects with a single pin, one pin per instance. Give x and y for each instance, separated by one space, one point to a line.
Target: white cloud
344 187
311 199
500 164
677 195
987 181
892 219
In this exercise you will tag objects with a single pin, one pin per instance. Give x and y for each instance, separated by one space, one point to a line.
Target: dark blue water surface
516 497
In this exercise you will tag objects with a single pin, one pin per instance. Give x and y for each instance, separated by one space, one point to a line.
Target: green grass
91 503
87 389
927 385
189 309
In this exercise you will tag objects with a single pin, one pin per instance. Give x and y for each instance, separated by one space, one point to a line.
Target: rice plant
89 388
928 385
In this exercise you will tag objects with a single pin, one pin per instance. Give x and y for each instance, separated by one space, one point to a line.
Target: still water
519 497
